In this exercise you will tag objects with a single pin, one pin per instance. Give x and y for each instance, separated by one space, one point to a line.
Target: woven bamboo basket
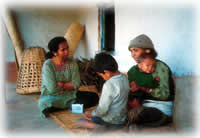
29 75
73 36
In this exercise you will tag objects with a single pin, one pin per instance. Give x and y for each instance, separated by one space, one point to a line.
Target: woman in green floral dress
61 80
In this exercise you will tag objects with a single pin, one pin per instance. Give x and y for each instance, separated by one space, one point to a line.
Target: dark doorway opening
107 29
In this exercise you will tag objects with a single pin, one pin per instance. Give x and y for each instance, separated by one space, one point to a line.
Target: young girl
61 80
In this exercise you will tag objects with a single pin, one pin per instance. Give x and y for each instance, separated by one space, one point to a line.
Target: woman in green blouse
61 80
157 103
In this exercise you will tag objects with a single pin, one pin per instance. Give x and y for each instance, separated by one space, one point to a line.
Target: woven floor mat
67 120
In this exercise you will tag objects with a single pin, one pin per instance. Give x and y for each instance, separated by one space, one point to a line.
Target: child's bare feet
85 123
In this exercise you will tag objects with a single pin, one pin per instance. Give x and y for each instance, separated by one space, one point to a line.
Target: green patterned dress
51 94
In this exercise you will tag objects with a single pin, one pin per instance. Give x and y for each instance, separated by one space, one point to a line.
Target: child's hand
88 115
157 78
133 86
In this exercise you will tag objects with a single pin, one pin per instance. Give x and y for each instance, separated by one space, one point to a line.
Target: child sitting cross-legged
111 111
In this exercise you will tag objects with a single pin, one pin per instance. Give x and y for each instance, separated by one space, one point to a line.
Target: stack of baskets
29 75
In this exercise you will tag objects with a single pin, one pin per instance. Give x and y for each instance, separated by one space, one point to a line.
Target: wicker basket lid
29 75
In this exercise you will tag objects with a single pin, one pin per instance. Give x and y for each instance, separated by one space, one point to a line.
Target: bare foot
85 123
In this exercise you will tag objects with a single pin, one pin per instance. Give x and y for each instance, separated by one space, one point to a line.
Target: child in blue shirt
112 108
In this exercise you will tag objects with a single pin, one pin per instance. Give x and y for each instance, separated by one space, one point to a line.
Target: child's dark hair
53 46
144 56
104 61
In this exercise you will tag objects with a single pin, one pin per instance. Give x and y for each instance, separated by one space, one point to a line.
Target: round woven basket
29 75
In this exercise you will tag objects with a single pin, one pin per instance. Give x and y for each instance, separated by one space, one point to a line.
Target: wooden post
14 36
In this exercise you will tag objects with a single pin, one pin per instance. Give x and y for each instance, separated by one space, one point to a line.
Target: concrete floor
22 115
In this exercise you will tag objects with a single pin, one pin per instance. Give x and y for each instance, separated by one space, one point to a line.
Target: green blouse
51 94
162 91
141 78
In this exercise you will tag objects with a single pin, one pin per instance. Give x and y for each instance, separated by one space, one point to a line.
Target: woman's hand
68 86
60 84
133 86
